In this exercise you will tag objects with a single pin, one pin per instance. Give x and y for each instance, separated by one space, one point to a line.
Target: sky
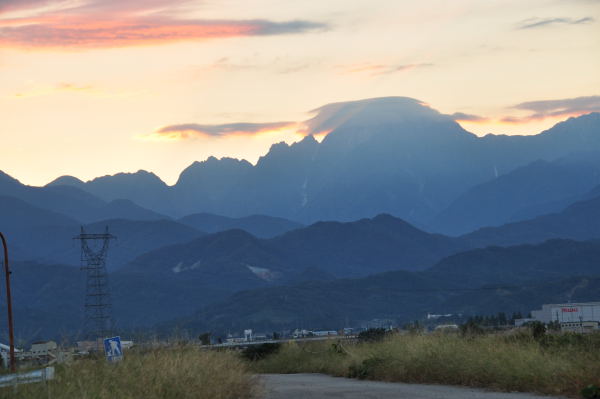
96 87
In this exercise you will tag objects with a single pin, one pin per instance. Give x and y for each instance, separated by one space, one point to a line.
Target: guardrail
271 341
26 378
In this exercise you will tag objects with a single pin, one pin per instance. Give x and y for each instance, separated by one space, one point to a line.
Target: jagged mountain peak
223 160
212 162
214 165
141 173
281 151
309 139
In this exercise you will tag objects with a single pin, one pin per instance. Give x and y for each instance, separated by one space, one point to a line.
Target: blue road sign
113 350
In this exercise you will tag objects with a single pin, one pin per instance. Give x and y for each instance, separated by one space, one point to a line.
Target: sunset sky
95 87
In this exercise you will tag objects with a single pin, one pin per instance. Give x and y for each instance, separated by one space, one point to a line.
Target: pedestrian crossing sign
113 350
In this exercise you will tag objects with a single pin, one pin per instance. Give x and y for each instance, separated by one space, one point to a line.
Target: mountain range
385 155
398 211
509 279
341 264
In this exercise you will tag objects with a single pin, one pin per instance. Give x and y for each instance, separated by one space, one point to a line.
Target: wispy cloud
382 69
61 87
195 130
538 110
280 65
462 117
541 22
73 88
14 5
555 108
110 23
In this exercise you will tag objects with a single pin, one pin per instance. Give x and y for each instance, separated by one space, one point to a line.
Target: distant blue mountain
142 188
40 223
579 221
384 155
481 281
232 280
324 249
45 237
74 202
538 188
258 225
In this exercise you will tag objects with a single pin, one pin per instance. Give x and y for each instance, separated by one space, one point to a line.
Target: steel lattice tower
98 308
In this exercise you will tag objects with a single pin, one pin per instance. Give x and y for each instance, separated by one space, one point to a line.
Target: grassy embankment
184 372
552 364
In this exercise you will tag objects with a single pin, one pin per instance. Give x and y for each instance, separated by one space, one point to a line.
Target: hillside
553 259
48 299
539 188
579 221
526 297
178 278
260 226
335 249
364 247
53 243
479 281
218 293
233 256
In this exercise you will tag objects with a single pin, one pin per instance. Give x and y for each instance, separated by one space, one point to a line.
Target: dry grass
499 362
181 373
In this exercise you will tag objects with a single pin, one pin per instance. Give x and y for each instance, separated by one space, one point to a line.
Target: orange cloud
518 120
543 109
538 111
109 23
194 130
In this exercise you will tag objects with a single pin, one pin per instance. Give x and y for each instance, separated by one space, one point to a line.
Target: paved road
319 386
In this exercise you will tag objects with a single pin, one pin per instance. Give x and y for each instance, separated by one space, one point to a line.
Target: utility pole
11 335
98 322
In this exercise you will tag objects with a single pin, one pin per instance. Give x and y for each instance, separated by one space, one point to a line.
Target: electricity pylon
98 322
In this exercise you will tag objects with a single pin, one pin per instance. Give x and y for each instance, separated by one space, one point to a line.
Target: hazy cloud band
541 22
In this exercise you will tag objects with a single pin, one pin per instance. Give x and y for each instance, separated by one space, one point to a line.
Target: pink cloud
111 23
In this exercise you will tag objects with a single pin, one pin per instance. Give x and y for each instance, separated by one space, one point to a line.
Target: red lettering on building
570 310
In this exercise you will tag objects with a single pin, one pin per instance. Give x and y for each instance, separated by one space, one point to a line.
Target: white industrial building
571 316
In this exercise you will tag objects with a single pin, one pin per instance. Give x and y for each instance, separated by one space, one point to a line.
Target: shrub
556 365
205 338
372 335
257 352
182 373
538 330
471 328
367 368
591 392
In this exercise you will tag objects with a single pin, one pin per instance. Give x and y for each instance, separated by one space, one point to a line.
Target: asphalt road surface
319 386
